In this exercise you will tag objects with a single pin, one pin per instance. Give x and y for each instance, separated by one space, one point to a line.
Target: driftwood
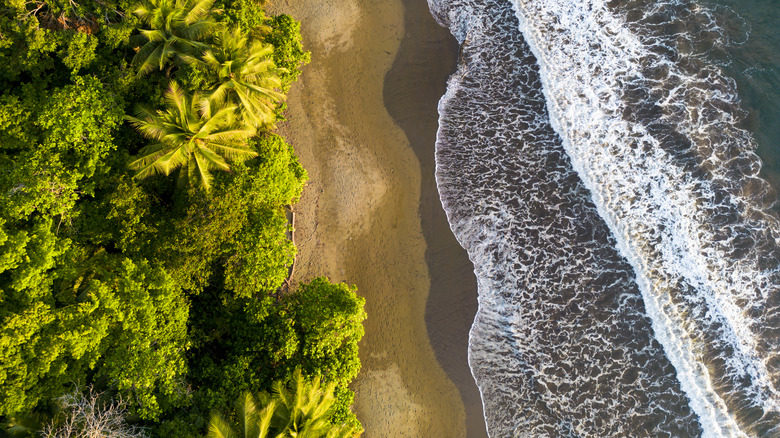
291 236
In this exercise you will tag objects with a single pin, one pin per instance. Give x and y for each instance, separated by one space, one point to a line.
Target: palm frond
174 29
147 166
248 76
266 89
195 134
224 119
220 428
190 60
148 57
263 418
175 98
210 160
249 111
174 159
153 35
198 11
200 29
150 154
232 153
221 92
236 137
156 130
201 169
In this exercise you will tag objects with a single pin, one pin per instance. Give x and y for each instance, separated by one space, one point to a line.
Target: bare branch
86 416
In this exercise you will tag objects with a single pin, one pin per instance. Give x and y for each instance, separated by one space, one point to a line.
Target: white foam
655 208
560 319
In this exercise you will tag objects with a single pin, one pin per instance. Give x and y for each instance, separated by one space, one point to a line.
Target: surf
655 136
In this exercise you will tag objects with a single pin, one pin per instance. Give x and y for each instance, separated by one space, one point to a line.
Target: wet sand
413 87
363 121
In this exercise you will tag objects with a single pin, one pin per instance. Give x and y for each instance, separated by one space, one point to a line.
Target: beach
363 120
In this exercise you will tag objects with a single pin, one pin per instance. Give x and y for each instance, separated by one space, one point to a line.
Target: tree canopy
114 276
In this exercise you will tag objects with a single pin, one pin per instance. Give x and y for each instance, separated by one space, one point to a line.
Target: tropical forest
145 233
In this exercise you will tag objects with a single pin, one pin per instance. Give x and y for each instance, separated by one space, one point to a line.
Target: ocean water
609 168
751 56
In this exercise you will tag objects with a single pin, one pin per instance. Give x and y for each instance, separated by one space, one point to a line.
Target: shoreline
413 87
365 216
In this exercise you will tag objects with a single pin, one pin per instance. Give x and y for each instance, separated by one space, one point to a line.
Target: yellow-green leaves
245 75
297 407
193 133
175 28
58 140
122 319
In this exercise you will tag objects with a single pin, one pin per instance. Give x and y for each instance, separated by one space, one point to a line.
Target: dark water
598 162
753 61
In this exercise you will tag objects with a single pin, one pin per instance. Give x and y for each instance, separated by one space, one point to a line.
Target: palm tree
252 422
303 409
194 134
176 27
246 74
298 409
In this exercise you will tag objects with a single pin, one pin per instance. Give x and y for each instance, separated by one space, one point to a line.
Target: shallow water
753 61
603 180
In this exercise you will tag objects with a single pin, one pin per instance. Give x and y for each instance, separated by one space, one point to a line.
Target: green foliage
329 321
125 320
246 247
51 146
176 27
119 217
50 40
26 47
166 297
259 260
80 51
285 37
317 328
50 143
251 420
306 408
246 14
28 254
245 74
296 408
194 133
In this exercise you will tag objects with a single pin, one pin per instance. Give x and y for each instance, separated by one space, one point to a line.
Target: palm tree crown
303 408
246 74
298 409
176 27
193 133
252 421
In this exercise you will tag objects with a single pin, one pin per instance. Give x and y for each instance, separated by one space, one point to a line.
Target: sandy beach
362 119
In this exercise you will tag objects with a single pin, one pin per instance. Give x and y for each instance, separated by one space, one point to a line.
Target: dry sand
360 219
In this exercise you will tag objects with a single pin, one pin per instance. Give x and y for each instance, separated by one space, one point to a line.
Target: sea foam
653 132
561 344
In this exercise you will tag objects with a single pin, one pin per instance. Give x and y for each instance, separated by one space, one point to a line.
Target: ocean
610 167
